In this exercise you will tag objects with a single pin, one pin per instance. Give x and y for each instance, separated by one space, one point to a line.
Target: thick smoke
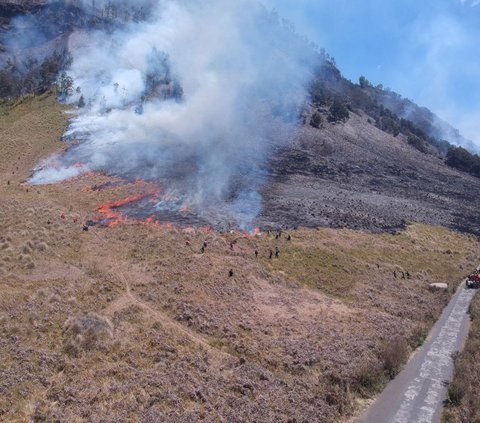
197 97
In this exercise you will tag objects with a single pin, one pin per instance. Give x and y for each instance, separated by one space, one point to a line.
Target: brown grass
300 337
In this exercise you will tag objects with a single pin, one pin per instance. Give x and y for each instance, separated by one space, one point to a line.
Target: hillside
377 166
355 175
118 302
135 323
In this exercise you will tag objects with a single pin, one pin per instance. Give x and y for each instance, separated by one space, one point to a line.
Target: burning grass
173 313
150 208
302 336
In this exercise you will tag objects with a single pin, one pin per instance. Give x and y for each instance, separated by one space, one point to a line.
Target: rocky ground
134 323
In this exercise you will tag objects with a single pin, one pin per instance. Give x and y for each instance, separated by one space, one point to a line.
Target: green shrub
417 143
338 112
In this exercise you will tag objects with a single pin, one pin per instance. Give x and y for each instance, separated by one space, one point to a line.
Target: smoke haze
196 97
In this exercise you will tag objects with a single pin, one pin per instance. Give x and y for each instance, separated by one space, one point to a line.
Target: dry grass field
134 324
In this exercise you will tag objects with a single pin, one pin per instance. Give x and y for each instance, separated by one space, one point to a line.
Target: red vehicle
473 281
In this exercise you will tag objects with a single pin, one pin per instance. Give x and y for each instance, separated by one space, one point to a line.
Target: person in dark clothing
85 228
204 244
202 250
230 273
408 275
271 254
277 252
256 252
289 237
403 275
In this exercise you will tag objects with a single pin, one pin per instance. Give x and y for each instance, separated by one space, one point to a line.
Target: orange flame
114 217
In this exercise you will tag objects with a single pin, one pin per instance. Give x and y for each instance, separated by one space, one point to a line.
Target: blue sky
426 50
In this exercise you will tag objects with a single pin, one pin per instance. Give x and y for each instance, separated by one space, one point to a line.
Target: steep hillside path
418 392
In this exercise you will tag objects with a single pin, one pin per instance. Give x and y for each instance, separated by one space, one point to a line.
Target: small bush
42 246
455 394
394 354
339 394
87 333
369 378
417 143
338 112
316 120
419 335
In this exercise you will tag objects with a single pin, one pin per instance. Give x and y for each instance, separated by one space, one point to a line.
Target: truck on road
473 280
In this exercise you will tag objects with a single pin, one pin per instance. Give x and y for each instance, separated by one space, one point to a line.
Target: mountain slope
364 158
355 175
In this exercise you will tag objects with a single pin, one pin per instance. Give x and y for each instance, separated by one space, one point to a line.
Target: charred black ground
354 175
355 163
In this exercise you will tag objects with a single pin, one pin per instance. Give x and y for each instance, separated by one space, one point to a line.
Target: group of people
405 275
271 252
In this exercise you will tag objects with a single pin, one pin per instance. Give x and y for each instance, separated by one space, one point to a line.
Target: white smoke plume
196 97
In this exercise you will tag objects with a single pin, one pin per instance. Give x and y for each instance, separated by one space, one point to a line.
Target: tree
417 143
463 160
65 85
316 120
338 112
364 82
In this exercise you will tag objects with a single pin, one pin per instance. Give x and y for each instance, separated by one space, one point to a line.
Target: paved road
416 395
